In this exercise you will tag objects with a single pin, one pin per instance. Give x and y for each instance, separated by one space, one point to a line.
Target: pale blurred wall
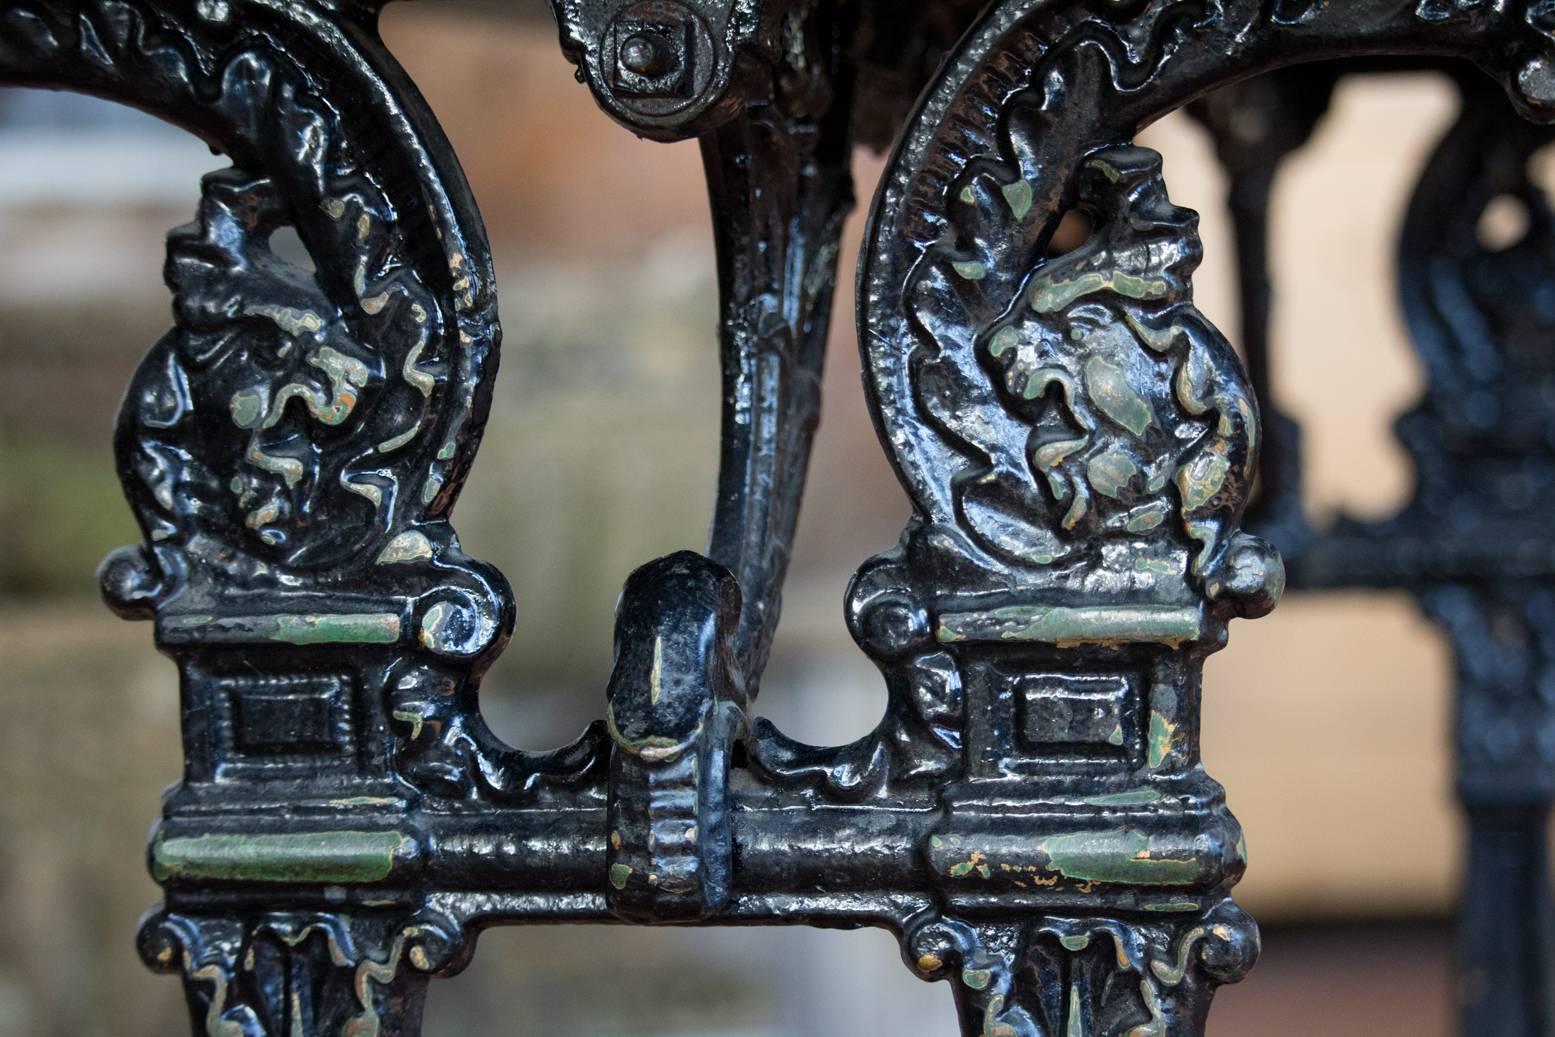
1327 722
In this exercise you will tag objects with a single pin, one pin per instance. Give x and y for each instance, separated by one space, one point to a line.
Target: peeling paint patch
327 628
1110 390
342 857
977 862
1122 857
1132 798
1202 478
410 546
1101 624
1053 296
619 873
1019 198
1162 731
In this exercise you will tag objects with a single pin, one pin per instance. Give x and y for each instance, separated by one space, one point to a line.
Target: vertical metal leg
1504 638
781 187
1478 299
1506 926
1477 266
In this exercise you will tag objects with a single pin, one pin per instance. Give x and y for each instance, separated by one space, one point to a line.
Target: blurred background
601 454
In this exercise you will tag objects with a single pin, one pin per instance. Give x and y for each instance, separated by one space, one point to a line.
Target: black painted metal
1031 816
1474 543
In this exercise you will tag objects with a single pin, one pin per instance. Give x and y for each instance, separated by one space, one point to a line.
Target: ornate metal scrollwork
1471 543
1078 441
292 450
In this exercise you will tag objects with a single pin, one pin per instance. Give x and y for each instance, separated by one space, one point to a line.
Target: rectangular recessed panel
1066 713
300 715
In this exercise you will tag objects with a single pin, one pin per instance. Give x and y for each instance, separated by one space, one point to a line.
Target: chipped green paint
248 407
380 628
346 377
1156 1027
1174 973
1173 906
342 857
653 748
296 323
1075 943
1019 198
410 546
1131 798
393 443
970 270
1110 473
1194 377
435 622
1050 296
431 488
367 490
977 862
977 979
1106 169
1041 379
656 674
1116 737
1150 517
1097 624
1157 567
253 410
1202 478
992 1027
619 873
415 720
261 517
1244 410
1003 340
1109 388
342 628
216 1022
1075 1026
1121 857
1161 340
1162 732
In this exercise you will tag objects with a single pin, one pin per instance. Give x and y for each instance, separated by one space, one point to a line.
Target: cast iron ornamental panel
1078 441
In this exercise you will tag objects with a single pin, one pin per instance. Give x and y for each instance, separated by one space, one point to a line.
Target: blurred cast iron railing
1031 816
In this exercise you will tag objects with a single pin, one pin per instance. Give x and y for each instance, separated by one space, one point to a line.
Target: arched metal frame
1031 816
